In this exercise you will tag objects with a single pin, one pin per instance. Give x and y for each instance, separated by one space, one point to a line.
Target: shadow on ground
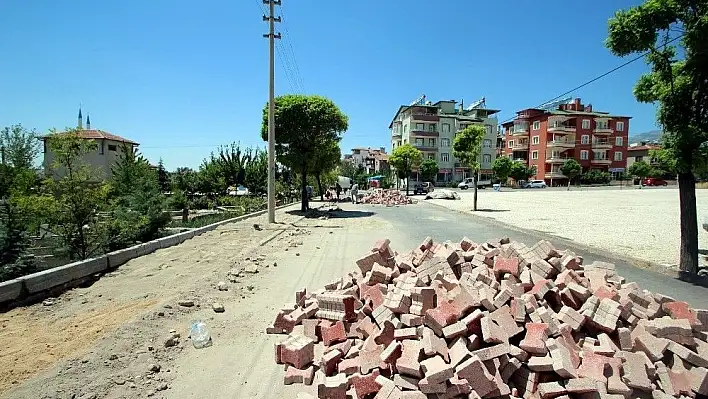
492 210
331 214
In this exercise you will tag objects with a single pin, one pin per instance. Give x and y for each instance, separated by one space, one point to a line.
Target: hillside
646 136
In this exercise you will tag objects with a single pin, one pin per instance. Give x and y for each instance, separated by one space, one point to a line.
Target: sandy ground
101 341
643 224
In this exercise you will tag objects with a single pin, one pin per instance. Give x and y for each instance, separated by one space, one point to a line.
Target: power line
615 69
289 39
291 74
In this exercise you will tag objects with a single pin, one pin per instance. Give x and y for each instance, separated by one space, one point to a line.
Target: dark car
423 188
654 181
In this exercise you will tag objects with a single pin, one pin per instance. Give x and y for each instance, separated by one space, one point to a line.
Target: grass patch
205 220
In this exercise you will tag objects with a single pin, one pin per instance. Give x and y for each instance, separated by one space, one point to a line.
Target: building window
101 147
601 125
618 155
432 128
486 158
536 125
111 147
534 154
446 128
405 128
585 139
420 142
444 157
487 143
534 140
586 123
511 143
445 142
584 155
488 129
431 156
431 142
620 126
420 127
619 141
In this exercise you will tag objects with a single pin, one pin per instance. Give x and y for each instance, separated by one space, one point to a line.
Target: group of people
335 193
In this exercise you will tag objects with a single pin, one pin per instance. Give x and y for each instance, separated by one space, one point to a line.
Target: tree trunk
688 253
319 186
304 204
474 179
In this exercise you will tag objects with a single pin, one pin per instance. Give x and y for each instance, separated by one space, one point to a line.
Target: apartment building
431 128
547 136
373 160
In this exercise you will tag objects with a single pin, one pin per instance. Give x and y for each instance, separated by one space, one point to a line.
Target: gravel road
643 224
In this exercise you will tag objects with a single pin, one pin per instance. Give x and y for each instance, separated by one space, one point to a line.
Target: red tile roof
100 134
644 148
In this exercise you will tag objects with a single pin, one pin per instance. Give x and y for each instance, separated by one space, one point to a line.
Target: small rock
113 357
151 348
132 385
154 367
275 264
217 307
251 268
119 382
48 302
84 360
188 303
151 393
160 314
167 306
89 395
233 279
250 287
222 286
297 254
174 333
162 386
171 341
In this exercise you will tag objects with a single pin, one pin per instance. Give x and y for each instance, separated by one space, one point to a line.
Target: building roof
96 134
643 148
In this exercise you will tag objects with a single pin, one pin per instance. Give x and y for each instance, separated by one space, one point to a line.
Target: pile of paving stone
496 319
390 197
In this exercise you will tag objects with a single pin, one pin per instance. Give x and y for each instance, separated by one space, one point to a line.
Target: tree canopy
467 147
571 169
502 168
640 169
429 169
404 158
20 146
304 126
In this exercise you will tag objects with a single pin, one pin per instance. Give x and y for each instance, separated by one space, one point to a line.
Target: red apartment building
546 137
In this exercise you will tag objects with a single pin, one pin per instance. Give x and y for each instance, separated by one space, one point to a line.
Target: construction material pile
489 320
390 197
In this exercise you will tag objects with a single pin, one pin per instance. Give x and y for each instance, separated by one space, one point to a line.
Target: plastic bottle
200 335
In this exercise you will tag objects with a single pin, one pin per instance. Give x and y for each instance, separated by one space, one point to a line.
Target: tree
502 168
326 161
640 169
163 177
347 168
78 195
404 158
429 169
678 83
14 260
304 126
519 171
19 146
467 147
571 169
256 174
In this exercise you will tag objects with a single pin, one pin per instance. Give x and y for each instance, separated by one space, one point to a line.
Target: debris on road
442 194
187 303
217 307
387 197
251 268
483 320
222 286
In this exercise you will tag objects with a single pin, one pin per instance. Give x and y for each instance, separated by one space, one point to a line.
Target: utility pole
272 19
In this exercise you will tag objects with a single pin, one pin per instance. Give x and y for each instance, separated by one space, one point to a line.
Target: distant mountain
646 136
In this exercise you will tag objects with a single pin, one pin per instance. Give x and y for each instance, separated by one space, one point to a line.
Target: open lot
642 224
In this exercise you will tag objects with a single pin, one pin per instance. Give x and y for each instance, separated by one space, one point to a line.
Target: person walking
354 193
338 189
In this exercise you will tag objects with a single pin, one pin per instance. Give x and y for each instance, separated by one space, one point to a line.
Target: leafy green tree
304 125
347 168
640 169
467 147
571 169
520 171
325 161
678 83
14 259
403 159
79 196
185 180
502 168
19 146
163 177
256 175
429 169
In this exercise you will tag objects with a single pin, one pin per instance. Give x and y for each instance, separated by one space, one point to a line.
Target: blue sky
182 77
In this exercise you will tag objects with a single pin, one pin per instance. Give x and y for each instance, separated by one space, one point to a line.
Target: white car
536 184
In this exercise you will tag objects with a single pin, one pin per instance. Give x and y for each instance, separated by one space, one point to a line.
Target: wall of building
101 159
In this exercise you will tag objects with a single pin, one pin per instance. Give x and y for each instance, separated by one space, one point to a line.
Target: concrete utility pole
272 19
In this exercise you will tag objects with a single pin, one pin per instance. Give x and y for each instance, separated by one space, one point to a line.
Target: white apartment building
373 160
431 128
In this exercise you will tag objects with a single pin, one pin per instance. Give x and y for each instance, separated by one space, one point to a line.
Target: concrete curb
32 286
573 245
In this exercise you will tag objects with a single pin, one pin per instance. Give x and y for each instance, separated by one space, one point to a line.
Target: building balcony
554 175
520 146
560 144
520 159
520 130
601 161
428 148
603 131
553 159
396 135
425 117
425 133
601 145
561 129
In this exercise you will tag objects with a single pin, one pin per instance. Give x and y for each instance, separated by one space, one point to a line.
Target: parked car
535 184
423 188
654 181
469 183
